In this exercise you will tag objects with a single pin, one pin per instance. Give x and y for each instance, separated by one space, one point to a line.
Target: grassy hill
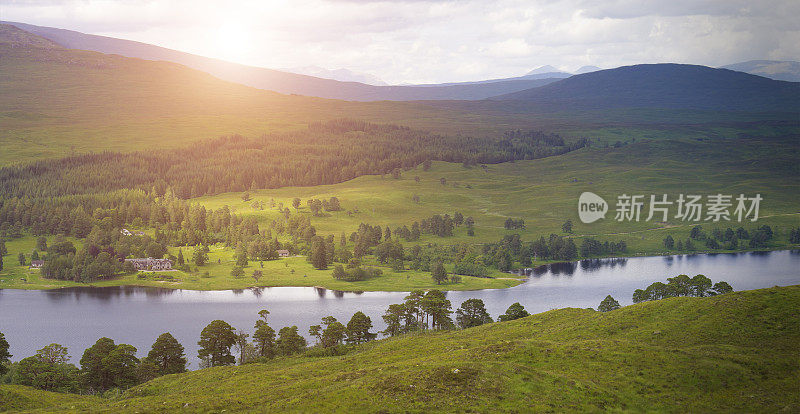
731 353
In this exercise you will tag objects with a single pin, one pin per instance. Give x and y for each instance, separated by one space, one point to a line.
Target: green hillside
731 353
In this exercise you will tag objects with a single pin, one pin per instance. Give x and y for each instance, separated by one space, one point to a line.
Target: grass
731 353
543 192
292 271
18 397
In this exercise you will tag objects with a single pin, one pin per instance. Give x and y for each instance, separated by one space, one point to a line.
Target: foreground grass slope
18 397
736 352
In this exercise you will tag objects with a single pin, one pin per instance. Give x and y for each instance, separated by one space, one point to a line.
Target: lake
77 317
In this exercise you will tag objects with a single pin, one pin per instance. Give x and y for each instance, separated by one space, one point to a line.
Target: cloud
436 41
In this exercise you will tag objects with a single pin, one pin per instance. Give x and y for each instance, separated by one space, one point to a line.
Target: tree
515 311
5 356
167 355
199 256
289 341
241 256
121 365
608 304
180 260
34 255
241 345
394 319
3 249
439 273
93 371
216 341
319 254
1 262
472 313
567 226
257 275
106 365
669 242
358 329
296 203
48 370
700 285
264 336
437 308
41 244
333 333
21 258
721 288
237 272
246 196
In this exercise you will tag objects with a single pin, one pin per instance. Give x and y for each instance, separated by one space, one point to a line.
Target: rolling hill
665 86
730 353
284 82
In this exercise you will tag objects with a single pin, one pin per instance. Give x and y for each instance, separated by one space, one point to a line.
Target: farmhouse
150 264
36 264
283 253
126 232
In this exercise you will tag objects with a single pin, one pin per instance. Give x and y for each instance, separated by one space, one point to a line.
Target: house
150 264
36 264
125 232
283 253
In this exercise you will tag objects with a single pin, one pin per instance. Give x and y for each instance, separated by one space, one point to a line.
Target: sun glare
232 42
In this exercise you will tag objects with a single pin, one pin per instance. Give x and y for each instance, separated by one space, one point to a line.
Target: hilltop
734 352
666 86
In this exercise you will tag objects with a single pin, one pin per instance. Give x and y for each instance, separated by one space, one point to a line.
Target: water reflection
76 317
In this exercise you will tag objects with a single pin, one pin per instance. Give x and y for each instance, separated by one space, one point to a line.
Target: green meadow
543 192
672 355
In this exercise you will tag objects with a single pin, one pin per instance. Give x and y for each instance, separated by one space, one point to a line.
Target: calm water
77 317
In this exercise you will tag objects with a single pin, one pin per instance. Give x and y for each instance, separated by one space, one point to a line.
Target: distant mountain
666 86
341 74
279 81
543 69
773 69
587 69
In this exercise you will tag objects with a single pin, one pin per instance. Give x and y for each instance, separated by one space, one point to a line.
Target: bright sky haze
421 41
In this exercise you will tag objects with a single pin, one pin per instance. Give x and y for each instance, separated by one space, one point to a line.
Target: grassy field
731 353
543 192
291 271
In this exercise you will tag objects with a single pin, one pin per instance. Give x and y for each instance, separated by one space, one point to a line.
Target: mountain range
773 69
280 81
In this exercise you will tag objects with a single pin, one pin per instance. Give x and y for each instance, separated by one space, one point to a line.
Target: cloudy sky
436 41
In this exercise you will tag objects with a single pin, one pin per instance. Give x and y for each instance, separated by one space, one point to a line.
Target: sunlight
232 42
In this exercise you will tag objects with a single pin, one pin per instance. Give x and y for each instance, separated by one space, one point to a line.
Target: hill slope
735 352
279 81
666 86
773 69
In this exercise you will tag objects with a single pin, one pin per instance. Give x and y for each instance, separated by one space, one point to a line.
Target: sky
428 41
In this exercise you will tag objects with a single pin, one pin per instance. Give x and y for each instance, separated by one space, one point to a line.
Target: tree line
326 153
107 365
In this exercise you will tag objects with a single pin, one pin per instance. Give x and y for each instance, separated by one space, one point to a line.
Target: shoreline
513 281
